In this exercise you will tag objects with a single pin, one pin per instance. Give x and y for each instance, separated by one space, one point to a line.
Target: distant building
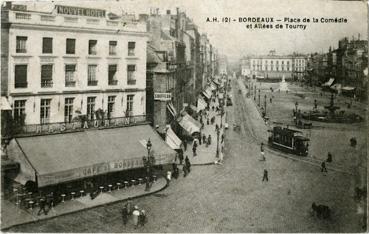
273 66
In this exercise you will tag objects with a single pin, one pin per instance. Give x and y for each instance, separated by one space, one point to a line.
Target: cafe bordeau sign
69 10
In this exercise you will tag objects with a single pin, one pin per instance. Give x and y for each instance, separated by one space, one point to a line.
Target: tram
288 140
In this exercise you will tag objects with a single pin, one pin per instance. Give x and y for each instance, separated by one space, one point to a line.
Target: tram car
288 140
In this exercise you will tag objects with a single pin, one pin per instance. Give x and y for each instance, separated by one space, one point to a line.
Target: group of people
329 160
44 202
139 216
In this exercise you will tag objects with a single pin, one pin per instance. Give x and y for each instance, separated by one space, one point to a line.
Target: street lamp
217 154
221 115
265 104
254 92
148 161
259 98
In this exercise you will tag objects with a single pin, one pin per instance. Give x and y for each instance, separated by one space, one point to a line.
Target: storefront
190 126
62 158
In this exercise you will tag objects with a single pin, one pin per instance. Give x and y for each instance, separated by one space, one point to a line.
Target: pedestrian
200 139
209 139
169 177
222 138
50 201
216 127
185 170
207 121
195 142
142 218
136 215
42 204
188 164
185 144
129 207
194 150
204 138
270 100
324 168
125 215
180 156
147 184
329 158
265 176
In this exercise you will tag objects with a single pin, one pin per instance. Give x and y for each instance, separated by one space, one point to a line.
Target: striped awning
206 94
329 82
172 139
201 104
189 124
171 109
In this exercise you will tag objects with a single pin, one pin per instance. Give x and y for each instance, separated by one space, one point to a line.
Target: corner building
60 65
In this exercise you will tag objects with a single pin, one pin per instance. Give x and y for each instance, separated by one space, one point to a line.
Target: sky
234 39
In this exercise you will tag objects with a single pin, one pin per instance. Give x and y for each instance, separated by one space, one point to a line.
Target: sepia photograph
184 116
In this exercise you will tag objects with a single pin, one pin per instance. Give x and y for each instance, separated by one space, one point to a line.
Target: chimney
168 12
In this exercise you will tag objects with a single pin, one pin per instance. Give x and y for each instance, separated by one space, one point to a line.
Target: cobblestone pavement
232 197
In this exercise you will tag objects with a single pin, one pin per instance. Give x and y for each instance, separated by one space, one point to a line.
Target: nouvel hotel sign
162 96
69 10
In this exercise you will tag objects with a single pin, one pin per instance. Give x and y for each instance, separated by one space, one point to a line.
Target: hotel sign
162 96
52 128
69 10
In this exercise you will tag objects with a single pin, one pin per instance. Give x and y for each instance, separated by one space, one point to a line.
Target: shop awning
71 156
216 82
189 124
171 109
328 83
172 140
348 88
5 104
221 95
207 93
213 86
201 104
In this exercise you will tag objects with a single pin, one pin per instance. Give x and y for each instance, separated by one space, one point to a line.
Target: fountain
332 116
283 85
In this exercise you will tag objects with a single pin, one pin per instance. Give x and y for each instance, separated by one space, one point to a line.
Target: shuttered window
20 76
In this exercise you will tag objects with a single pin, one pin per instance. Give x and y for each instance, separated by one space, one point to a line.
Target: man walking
185 145
42 206
324 168
188 164
125 214
265 176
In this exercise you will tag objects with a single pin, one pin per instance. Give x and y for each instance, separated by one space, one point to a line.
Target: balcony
20 85
113 82
131 82
92 83
46 83
70 83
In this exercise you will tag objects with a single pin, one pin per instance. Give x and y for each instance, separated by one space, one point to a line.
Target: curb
87 208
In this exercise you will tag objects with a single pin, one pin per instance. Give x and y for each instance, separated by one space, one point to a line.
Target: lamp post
148 161
254 92
217 154
296 105
259 98
221 116
265 104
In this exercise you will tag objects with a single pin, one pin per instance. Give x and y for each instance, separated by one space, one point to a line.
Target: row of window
47 46
19 108
20 75
272 68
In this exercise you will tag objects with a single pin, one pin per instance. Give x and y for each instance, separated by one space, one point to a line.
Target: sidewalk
207 155
12 215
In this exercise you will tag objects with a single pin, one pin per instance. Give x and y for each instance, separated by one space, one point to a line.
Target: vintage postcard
184 116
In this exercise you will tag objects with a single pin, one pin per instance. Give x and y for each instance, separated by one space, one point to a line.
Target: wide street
232 197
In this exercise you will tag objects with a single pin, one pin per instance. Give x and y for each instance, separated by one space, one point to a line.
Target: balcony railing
113 82
23 16
131 82
20 85
46 83
58 127
92 83
70 83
